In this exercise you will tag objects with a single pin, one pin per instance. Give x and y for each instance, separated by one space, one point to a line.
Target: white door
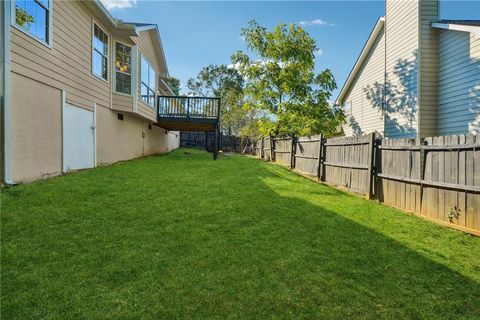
78 138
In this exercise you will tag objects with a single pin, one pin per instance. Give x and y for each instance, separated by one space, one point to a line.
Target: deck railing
184 107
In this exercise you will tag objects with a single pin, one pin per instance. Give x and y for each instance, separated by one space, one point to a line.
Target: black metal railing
188 107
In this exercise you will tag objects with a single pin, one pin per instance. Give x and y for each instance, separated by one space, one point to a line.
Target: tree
282 83
228 84
174 85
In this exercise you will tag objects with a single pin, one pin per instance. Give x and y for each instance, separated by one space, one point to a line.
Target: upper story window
33 16
100 53
147 87
123 68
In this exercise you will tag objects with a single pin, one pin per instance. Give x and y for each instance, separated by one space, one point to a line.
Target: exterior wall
131 138
428 69
35 129
459 85
38 76
67 65
366 93
122 102
401 108
145 47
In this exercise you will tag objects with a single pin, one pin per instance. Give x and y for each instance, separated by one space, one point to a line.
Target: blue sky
199 33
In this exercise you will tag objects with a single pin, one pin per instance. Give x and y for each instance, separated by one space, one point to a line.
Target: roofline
361 58
456 27
137 29
167 86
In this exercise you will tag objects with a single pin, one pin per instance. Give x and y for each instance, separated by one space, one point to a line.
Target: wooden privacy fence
437 178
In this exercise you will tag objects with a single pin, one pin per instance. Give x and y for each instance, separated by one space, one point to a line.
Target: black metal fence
227 143
188 107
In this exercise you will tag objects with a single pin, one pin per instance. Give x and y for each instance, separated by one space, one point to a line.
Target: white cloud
119 4
315 22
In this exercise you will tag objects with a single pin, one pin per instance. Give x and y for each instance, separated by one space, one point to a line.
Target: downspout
6 180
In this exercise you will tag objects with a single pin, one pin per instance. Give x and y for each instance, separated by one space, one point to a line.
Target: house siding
401 23
145 47
459 83
428 65
366 93
41 76
67 65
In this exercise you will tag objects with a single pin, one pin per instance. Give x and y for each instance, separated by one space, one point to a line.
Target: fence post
261 150
320 176
371 159
423 160
292 152
272 149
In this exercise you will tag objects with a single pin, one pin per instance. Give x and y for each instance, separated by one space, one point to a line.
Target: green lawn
182 236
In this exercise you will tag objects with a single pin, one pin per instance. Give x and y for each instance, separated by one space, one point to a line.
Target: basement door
78 138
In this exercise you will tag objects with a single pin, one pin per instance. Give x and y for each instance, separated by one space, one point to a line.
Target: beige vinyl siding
67 65
146 48
459 83
145 42
122 102
147 111
401 68
366 110
428 73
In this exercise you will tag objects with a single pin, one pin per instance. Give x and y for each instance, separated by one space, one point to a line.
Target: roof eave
457 27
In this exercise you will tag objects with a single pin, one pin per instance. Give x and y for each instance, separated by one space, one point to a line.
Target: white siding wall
366 109
459 84
401 65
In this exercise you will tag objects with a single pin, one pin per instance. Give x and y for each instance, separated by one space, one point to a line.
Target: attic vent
120 116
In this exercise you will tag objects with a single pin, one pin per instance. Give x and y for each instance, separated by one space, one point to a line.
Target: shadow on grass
183 237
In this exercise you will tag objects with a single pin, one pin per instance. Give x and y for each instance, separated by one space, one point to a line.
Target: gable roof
472 26
361 59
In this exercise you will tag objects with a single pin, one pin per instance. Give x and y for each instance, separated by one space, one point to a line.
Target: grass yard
182 236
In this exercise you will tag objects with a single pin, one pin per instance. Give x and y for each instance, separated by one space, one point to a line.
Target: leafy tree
282 82
228 84
174 85
22 18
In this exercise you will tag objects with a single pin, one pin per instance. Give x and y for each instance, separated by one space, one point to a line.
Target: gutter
6 180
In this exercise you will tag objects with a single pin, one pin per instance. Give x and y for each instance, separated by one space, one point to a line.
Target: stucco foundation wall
35 129
131 138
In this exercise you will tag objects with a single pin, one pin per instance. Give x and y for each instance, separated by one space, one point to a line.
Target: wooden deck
183 113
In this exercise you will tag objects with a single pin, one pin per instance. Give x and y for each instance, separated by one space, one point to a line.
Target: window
147 87
32 16
123 68
100 53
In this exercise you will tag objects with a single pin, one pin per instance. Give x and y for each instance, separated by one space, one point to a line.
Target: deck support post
215 143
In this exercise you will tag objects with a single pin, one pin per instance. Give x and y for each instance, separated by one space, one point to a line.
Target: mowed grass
182 236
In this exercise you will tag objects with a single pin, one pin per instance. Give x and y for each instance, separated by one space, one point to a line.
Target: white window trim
140 82
13 23
93 50
114 70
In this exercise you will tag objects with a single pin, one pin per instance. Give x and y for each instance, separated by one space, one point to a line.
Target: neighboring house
416 76
80 88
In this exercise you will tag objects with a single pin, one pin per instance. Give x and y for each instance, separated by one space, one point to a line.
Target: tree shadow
233 238
397 98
